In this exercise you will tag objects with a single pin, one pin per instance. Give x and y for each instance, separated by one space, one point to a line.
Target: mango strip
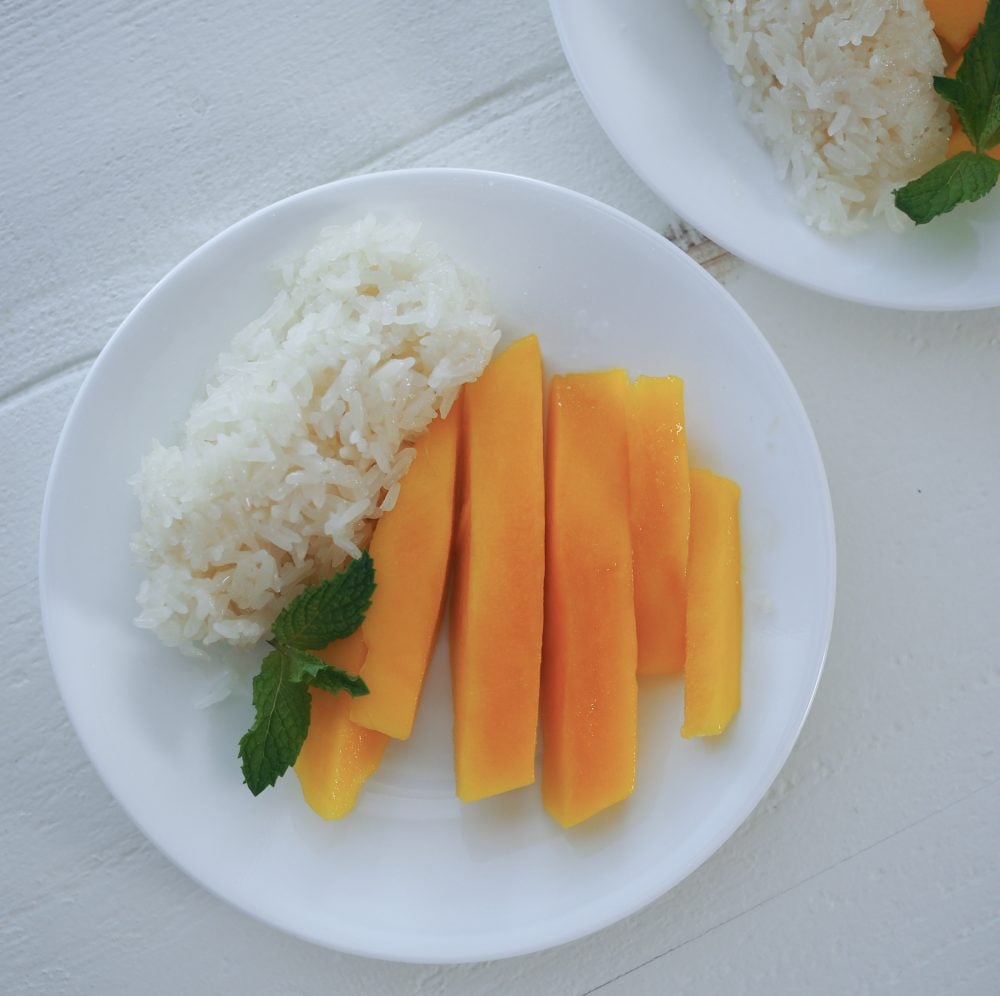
338 756
498 587
714 607
956 21
589 689
660 512
411 548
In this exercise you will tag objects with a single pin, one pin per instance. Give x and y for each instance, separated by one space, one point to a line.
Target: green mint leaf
302 666
328 611
952 90
991 131
957 94
273 742
308 668
965 177
979 75
332 679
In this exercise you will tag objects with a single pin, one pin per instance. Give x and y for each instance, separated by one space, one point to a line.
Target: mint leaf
329 611
302 666
273 742
957 94
979 77
975 95
332 679
965 177
326 612
953 90
991 130
308 668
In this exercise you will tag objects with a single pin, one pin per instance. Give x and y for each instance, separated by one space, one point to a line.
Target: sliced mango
714 607
956 21
498 586
411 548
589 689
660 512
338 756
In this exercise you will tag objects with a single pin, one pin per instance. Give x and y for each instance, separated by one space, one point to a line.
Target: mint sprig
975 95
325 612
963 178
282 722
328 611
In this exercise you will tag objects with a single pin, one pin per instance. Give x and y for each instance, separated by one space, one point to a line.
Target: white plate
663 95
412 874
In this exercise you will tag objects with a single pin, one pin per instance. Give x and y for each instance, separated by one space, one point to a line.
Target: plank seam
784 892
45 379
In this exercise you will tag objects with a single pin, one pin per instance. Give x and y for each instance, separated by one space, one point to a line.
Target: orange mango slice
714 607
589 688
498 586
956 21
411 548
660 513
338 756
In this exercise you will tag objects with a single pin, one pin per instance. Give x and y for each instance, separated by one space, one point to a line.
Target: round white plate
663 95
412 874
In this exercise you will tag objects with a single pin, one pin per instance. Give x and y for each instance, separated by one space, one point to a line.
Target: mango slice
660 513
338 756
714 607
498 586
956 21
589 688
411 548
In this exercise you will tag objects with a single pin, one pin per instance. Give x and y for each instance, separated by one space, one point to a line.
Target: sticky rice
305 431
841 93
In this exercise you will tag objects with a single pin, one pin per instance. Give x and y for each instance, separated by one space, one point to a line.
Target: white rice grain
841 93
304 432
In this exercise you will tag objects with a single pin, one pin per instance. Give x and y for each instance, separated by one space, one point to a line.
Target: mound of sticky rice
305 430
841 93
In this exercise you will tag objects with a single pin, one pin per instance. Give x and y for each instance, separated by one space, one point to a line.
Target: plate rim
737 247
494 944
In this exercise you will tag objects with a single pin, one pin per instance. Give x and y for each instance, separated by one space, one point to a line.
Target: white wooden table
131 132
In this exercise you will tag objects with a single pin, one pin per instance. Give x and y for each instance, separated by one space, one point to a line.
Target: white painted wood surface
132 131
